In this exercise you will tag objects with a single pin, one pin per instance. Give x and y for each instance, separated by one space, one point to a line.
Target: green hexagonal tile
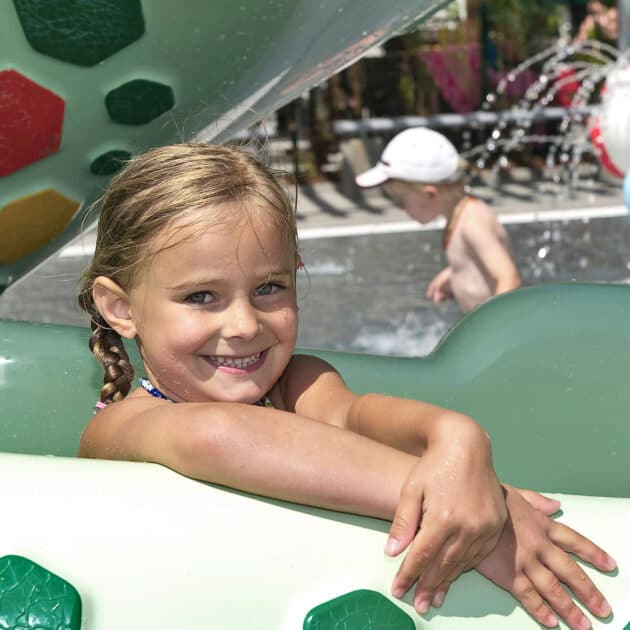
139 101
358 610
33 597
109 163
82 32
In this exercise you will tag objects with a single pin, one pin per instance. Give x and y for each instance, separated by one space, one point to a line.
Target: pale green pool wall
543 369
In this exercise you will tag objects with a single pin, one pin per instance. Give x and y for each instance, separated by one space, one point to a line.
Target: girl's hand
453 495
532 561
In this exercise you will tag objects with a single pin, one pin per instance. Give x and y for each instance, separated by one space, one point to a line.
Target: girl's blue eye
200 298
266 289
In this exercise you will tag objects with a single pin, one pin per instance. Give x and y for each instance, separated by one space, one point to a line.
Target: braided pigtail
108 348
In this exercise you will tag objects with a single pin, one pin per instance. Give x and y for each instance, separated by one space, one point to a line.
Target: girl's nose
241 320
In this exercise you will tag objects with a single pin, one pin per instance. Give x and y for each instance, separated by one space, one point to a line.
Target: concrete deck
326 210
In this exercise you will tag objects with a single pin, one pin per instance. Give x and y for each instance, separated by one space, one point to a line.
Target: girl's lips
238 365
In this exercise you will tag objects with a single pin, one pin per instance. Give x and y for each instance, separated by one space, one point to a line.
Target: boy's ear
112 303
431 190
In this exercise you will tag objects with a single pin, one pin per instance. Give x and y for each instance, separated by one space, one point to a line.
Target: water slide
102 544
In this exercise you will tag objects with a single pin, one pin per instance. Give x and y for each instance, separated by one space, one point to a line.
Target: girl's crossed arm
451 494
530 559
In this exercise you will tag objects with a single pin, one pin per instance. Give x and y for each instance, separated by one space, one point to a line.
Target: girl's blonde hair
182 184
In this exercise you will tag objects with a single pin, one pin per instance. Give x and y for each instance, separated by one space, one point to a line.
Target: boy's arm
439 288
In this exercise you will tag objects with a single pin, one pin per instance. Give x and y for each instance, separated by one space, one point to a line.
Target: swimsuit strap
146 384
98 406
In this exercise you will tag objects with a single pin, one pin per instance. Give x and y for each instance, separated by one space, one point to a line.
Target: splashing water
573 75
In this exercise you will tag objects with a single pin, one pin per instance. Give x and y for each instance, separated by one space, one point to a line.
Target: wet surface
366 293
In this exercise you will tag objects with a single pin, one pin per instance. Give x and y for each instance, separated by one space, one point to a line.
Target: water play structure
543 369
103 544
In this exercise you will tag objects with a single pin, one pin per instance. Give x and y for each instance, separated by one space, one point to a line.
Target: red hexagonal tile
31 121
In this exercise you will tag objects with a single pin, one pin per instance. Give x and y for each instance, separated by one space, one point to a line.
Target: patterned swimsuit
146 384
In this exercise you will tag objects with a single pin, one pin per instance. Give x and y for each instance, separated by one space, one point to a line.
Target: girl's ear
112 303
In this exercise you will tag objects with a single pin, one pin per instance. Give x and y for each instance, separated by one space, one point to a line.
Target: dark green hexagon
82 32
33 597
358 610
139 101
109 163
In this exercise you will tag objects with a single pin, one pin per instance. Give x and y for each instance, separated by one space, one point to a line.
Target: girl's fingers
440 594
570 573
571 541
531 600
476 552
539 501
405 523
426 547
450 560
549 587
447 565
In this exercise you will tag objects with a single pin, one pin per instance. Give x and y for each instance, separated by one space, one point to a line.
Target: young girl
196 260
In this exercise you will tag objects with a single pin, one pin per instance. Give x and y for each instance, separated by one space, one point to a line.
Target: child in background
420 171
196 260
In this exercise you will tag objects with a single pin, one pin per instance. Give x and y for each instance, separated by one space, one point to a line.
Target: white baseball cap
415 155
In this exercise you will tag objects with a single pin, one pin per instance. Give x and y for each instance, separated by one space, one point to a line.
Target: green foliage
520 29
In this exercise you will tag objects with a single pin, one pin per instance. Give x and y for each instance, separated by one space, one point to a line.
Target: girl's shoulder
313 387
306 367
106 421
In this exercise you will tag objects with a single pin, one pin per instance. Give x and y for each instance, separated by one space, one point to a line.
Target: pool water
366 293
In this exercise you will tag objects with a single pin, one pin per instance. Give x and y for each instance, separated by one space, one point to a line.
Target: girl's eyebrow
198 283
192 284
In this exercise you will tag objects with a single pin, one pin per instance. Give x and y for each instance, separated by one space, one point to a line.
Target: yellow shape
28 223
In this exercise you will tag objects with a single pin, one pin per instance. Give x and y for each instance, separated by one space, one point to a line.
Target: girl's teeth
236 362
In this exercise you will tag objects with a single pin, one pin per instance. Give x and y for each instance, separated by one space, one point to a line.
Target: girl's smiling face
215 311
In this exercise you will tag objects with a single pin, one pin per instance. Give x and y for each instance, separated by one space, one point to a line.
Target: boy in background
420 170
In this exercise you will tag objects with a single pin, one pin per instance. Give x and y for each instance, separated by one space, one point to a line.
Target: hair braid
108 348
